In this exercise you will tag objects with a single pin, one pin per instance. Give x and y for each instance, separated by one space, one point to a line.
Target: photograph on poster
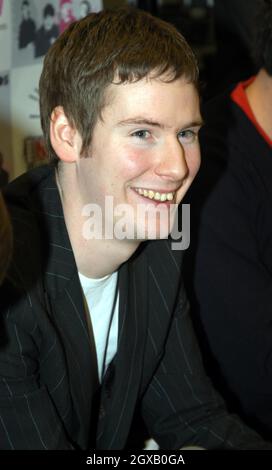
48 32
37 23
34 29
26 54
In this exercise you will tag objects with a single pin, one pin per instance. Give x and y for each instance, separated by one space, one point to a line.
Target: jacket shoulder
22 200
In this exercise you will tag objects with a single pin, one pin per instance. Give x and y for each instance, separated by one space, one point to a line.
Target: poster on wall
34 29
25 113
5 34
5 123
36 24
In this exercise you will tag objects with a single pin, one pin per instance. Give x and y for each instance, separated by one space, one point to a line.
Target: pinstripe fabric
49 396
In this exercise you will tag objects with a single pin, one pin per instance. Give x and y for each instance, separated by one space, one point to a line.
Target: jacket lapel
118 401
65 296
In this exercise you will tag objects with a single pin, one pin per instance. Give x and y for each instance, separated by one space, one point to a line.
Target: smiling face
144 150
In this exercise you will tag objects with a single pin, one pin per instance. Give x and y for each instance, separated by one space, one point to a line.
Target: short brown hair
126 44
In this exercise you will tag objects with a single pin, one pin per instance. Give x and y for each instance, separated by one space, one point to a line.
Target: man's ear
65 139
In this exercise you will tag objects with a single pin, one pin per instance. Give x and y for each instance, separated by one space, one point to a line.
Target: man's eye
141 134
188 136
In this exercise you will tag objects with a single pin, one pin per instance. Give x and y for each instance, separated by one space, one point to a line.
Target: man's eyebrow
141 121
150 122
197 123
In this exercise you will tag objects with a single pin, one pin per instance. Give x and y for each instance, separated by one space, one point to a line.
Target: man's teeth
155 195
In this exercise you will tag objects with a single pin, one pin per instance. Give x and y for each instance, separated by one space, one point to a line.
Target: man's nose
172 165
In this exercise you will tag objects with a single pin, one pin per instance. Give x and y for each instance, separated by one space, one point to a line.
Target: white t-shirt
100 295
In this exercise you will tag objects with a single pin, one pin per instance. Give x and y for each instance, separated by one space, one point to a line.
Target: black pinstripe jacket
48 386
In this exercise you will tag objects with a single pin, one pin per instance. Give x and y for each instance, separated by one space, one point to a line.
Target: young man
97 328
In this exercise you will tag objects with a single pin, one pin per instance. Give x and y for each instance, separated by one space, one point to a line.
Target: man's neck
99 258
259 94
95 258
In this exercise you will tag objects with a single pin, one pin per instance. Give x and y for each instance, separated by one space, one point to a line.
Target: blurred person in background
229 263
234 23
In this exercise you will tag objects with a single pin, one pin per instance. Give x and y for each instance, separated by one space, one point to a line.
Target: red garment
66 14
239 96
